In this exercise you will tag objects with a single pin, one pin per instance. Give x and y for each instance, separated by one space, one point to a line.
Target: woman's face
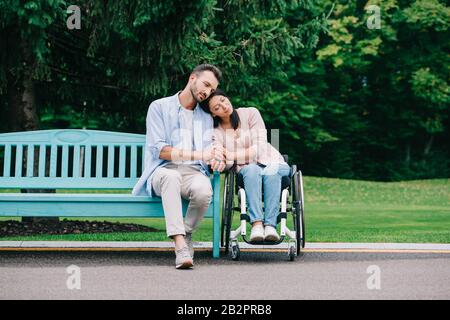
220 106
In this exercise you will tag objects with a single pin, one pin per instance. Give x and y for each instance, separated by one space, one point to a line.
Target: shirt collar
178 103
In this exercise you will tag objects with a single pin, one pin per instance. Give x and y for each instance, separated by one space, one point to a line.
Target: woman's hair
234 117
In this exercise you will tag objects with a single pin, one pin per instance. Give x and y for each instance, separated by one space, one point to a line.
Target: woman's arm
242 155
258 138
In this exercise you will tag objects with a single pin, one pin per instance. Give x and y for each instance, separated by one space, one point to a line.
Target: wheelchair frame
292 201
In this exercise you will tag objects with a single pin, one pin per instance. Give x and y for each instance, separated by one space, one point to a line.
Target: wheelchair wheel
227 213
297 225
298 212
292 253
235 252
224 206
302 207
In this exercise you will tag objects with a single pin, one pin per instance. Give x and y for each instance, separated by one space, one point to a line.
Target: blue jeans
269 177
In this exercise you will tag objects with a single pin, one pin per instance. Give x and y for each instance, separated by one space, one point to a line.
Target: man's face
202 85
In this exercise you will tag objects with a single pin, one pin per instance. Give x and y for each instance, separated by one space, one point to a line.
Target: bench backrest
72 158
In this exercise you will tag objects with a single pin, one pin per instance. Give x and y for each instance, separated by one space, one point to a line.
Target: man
178 147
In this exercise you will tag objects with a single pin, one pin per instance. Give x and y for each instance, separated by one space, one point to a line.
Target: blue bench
81 159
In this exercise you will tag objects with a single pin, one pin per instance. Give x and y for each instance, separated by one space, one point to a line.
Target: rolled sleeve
156 137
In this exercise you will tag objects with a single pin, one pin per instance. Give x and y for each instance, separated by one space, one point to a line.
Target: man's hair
208 67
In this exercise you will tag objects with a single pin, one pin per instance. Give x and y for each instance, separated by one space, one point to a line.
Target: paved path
268 275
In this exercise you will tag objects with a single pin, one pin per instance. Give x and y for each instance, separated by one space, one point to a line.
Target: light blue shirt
163 129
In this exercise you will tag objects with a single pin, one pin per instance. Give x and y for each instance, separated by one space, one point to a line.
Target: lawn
337 210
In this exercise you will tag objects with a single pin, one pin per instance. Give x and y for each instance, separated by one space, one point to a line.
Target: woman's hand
217 165
230 156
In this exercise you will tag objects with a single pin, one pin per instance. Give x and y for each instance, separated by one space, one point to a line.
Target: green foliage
393 84
349 101
431 88
425 14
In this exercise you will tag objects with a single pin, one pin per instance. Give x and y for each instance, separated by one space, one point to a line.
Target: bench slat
72 136
99 162
98 209
76 161
53 159
122 161
110 165
30 160
7 163
84 205
19 160
143 160
67 183
42 154
76 197
65 161
133 162
87 161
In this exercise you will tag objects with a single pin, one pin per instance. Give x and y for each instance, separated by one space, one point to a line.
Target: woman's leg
253 186
271 177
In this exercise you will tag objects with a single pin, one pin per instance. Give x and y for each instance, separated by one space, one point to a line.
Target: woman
243 135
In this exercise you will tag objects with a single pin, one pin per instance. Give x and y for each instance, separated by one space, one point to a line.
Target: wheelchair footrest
264 243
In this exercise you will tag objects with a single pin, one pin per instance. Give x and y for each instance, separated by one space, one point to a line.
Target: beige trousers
174 182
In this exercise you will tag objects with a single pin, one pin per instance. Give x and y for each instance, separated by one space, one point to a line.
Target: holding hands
216 157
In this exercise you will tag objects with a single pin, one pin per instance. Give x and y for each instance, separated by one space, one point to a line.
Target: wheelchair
292 204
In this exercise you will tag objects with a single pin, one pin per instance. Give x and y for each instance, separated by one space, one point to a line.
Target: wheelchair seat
285 181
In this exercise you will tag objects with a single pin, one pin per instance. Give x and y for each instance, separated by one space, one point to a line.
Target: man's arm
155 136
160 148
174 154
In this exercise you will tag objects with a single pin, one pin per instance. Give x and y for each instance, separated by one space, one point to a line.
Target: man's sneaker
189 243
270 234
257 233
183 258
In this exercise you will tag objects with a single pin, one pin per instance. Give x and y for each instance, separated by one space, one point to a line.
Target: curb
207 246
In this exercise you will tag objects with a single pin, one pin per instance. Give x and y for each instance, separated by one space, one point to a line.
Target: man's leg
167 184
196 187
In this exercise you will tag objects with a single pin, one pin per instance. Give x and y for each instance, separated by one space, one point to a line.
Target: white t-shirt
187 131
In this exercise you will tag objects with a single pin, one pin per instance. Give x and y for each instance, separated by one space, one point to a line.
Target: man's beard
194 94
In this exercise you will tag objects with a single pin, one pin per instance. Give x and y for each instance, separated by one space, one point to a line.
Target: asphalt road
151 275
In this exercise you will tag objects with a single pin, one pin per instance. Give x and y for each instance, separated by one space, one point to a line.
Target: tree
389 90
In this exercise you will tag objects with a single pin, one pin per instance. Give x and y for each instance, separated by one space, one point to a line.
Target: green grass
337 210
